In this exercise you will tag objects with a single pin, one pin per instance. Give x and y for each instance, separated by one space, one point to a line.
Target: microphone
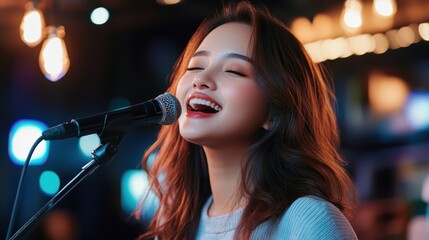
164 110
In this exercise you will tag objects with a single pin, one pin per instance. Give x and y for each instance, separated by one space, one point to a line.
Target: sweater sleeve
311 218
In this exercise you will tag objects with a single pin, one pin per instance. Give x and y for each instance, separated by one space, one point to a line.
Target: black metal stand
101 155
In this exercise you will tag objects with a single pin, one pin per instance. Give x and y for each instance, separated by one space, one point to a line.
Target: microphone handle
122 119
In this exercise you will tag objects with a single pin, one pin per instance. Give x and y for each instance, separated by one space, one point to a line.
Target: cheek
183 88
247 95
248 99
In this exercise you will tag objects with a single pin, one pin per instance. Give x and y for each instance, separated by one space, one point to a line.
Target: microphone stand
110 138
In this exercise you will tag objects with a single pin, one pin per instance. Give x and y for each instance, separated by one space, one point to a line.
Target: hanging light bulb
32 25
385 8
352 15
53 59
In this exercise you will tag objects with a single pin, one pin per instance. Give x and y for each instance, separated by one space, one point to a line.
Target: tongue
204 109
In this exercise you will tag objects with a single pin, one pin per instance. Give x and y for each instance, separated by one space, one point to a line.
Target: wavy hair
298 156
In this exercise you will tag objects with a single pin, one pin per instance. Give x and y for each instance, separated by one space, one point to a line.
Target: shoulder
311 217
314 206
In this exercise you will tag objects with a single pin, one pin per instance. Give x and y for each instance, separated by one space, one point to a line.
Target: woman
254 154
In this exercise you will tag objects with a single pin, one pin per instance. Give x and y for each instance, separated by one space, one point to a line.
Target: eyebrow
227 55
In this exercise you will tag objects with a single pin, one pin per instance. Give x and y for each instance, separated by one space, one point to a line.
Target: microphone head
171 108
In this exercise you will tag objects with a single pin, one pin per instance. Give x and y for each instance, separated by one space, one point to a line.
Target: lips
199 102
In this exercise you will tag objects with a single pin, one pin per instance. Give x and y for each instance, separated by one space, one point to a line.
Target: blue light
100 16
135 185
417 110
88 143
49 183
22 136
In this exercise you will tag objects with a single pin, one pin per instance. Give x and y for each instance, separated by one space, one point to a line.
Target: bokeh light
387 94
385 8
49 182
22 136
99 16
417 110
135 185
88 143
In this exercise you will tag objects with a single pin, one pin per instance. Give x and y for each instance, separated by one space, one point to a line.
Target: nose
203 81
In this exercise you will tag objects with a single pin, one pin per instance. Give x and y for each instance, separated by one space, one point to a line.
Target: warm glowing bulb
168 2
53 59
32 25
385 8
352 15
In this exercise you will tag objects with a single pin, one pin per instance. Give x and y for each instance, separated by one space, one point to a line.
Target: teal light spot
88 143
134 186
49 182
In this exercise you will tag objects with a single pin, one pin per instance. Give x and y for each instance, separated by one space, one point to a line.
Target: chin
197 139
193 139
190 136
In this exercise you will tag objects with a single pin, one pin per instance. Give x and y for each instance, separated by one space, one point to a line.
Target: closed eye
236 73
194 68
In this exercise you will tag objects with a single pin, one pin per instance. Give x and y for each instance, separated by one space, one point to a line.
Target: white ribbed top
308 218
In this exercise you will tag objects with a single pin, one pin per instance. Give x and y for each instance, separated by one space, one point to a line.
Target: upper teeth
199 101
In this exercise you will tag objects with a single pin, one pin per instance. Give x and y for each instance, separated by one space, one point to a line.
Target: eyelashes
190 69
194 68
236 73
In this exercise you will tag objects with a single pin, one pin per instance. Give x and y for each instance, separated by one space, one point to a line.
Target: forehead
230 37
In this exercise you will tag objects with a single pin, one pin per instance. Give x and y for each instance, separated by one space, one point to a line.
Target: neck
224 167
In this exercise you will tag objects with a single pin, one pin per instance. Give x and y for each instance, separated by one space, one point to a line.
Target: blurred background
91 56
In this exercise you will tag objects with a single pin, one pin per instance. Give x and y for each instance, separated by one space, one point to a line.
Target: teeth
198 101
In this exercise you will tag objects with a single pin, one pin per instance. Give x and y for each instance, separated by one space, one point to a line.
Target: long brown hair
298 156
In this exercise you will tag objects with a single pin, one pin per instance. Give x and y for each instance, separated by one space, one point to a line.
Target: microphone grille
171 108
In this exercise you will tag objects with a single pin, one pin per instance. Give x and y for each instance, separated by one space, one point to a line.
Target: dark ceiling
137 14
141 41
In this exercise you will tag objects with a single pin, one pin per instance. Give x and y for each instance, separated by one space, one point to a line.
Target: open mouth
202 105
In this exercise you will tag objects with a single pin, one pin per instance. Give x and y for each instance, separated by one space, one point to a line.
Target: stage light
88 143
417 110
387 94
22 136
49 182
53 59
32 25
99 16
135 185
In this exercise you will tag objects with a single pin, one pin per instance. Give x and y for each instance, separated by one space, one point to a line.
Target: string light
352 15
385 8
53 59
330 49
423 29
168 2
32 25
